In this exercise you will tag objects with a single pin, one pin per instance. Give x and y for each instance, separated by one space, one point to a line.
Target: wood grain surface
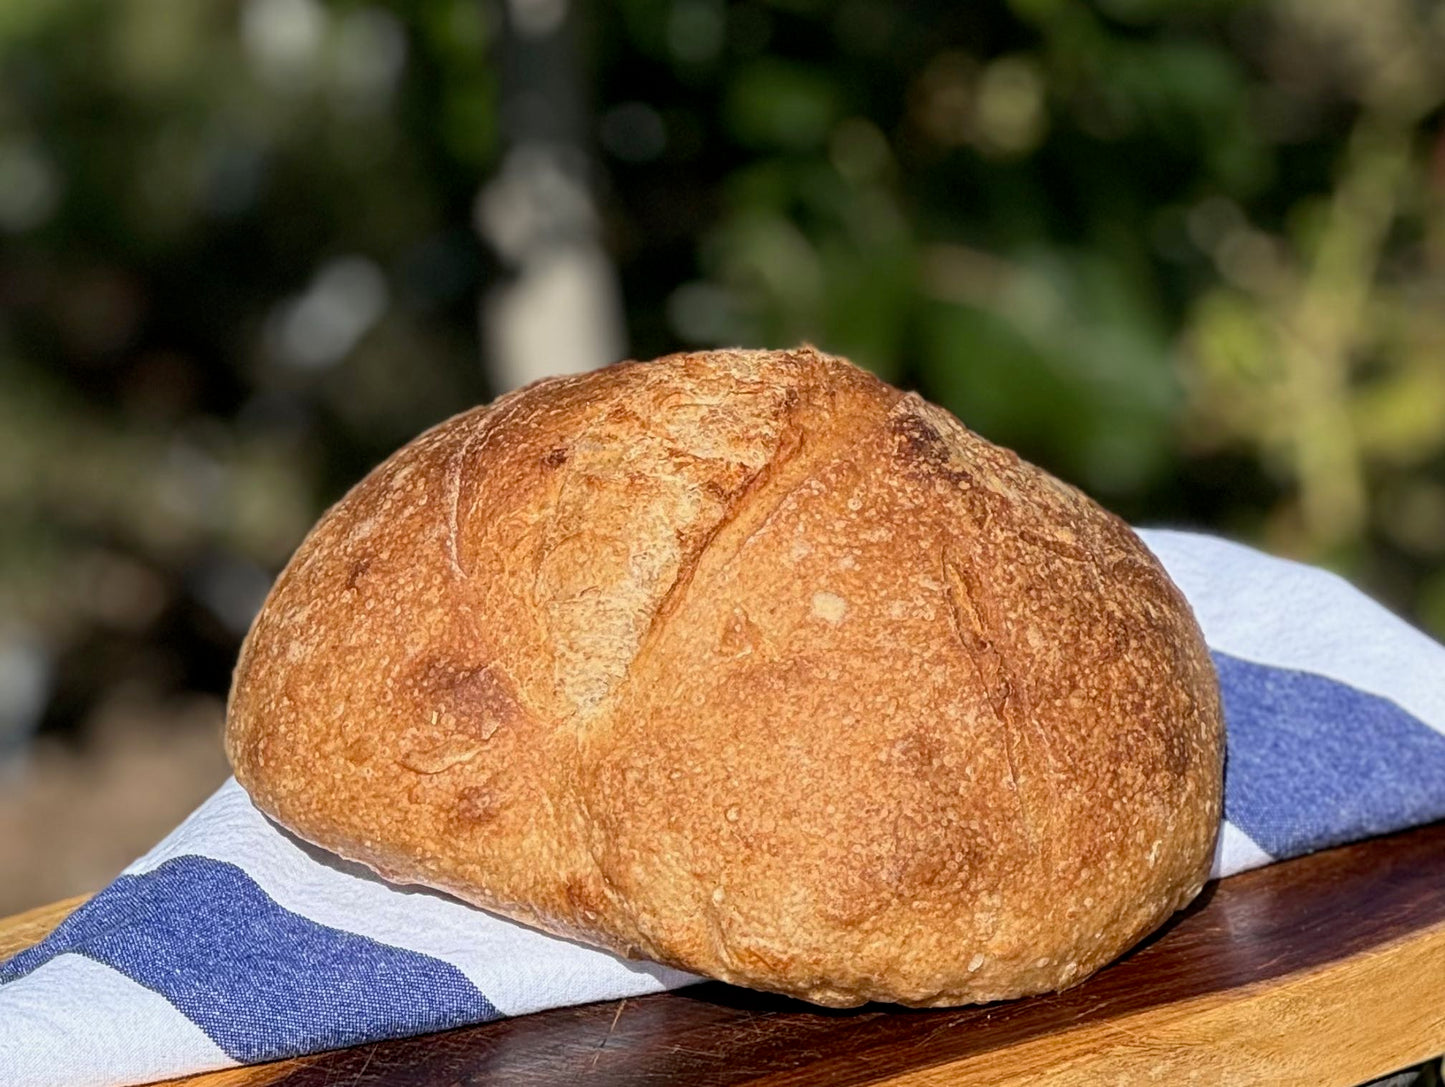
19 932
1328 970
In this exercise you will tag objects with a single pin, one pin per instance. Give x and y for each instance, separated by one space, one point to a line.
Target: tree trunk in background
560 310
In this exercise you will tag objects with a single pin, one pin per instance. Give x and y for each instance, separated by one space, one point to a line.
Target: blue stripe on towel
1313 762
261 981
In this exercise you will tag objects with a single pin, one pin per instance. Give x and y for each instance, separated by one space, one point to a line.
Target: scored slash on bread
751 664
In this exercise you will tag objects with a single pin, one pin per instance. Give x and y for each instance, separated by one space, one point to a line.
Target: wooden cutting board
1325 970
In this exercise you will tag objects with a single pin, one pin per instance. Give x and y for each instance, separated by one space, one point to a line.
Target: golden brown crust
748 663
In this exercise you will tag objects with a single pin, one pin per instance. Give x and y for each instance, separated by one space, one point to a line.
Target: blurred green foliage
1189 254
1186 253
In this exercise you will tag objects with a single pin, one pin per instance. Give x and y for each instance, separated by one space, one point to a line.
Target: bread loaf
748 663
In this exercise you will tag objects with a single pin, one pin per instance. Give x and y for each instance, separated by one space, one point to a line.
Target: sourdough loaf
748 663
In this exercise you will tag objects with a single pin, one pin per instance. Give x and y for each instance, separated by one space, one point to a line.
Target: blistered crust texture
748 663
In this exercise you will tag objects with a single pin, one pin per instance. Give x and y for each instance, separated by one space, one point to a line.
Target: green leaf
780 104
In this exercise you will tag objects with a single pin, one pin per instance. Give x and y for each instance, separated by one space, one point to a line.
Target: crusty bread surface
748 663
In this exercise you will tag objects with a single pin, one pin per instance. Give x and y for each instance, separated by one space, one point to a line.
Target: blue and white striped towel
232 942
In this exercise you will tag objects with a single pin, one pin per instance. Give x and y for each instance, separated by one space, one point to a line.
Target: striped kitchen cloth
233 942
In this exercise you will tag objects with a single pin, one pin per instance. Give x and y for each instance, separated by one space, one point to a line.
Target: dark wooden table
1325 970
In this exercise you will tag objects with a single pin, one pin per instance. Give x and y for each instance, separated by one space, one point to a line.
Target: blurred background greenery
1188 254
